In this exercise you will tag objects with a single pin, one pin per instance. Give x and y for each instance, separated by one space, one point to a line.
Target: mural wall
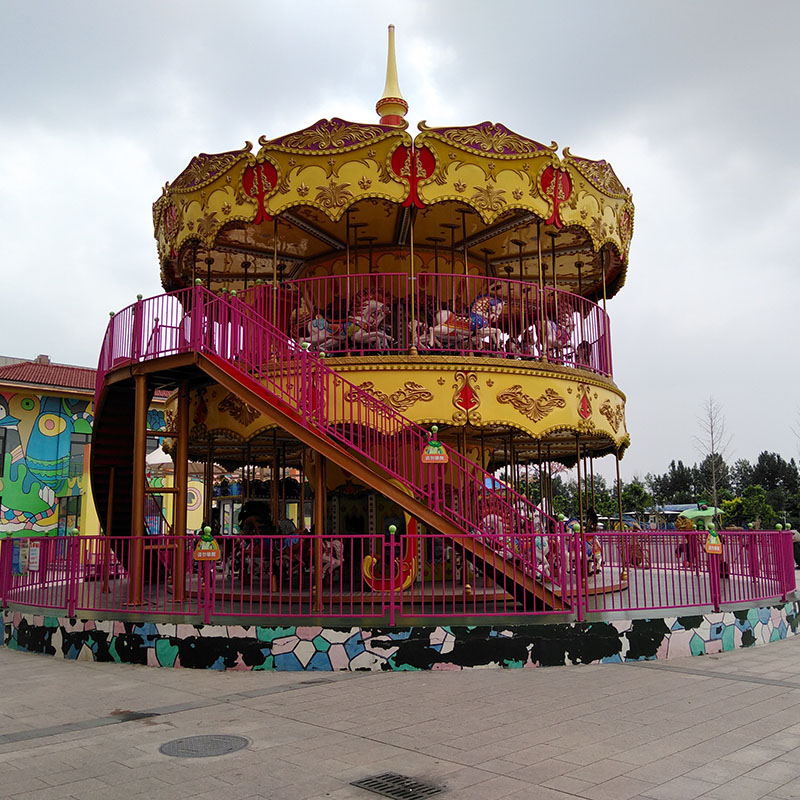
37 466
44 452
311 648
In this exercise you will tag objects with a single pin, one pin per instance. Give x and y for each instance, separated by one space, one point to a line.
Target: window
69 513
77 443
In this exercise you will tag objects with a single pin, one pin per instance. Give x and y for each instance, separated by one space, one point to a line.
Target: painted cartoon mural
42 458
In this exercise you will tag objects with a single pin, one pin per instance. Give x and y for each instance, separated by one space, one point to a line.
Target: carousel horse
592 551
476 328
512 547
558 336
366 323
321 335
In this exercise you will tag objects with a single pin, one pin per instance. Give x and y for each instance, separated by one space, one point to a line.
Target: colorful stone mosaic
296 647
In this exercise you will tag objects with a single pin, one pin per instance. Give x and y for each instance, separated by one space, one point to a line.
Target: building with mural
46 418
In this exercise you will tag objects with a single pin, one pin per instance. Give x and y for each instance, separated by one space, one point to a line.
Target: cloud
695 105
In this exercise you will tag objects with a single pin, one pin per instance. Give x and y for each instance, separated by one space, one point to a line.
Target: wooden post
182 496
136 565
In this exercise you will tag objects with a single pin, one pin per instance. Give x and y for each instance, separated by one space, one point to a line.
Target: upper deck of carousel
464 240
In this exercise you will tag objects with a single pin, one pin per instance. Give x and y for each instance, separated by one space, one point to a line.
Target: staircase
235 344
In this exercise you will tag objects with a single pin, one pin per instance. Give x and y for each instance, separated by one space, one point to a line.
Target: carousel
392 340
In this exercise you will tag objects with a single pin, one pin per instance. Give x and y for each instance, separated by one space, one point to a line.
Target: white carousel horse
510 547
558 337
322 335
366 323
476 328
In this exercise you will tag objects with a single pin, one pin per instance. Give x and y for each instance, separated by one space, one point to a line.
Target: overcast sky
695 104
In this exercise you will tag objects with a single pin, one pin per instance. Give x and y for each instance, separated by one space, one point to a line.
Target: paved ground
724 726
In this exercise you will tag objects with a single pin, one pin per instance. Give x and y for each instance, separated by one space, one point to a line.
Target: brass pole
182 485
541 480
513 449
451 226
542 328
208 473
556 320
136 566
209 262
579 266
464 212
605 318
437 285
467 298
412 350
520 244
274 270
591 467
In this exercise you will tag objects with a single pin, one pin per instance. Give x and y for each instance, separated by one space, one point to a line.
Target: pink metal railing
321 577
469 314
458 314
637 571
235 332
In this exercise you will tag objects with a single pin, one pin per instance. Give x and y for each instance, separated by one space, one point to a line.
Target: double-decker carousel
458 277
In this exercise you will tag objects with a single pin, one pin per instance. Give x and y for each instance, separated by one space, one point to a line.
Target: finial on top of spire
392 107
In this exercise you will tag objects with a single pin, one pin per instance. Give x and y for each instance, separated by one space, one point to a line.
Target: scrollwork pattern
614 414
535 409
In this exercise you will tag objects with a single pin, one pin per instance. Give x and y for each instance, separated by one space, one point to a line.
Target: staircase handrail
225 327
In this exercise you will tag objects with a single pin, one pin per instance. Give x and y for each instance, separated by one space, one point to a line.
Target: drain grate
203 746
397 786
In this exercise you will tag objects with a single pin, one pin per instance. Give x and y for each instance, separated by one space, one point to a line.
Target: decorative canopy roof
288 201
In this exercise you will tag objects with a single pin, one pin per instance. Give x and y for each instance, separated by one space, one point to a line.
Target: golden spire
392 107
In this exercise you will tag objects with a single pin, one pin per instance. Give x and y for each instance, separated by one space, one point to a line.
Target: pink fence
445 313
395 578
235 333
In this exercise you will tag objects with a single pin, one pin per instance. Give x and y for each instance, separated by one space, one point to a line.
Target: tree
635 497
713 441
677 485
778 477
709 468
756 509
741 475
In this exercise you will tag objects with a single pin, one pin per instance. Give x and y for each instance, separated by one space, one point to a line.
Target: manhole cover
397 786
203 746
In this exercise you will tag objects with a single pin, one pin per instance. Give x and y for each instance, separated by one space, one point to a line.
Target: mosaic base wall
445 647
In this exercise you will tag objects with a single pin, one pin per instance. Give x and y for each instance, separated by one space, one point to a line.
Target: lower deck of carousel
656 595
